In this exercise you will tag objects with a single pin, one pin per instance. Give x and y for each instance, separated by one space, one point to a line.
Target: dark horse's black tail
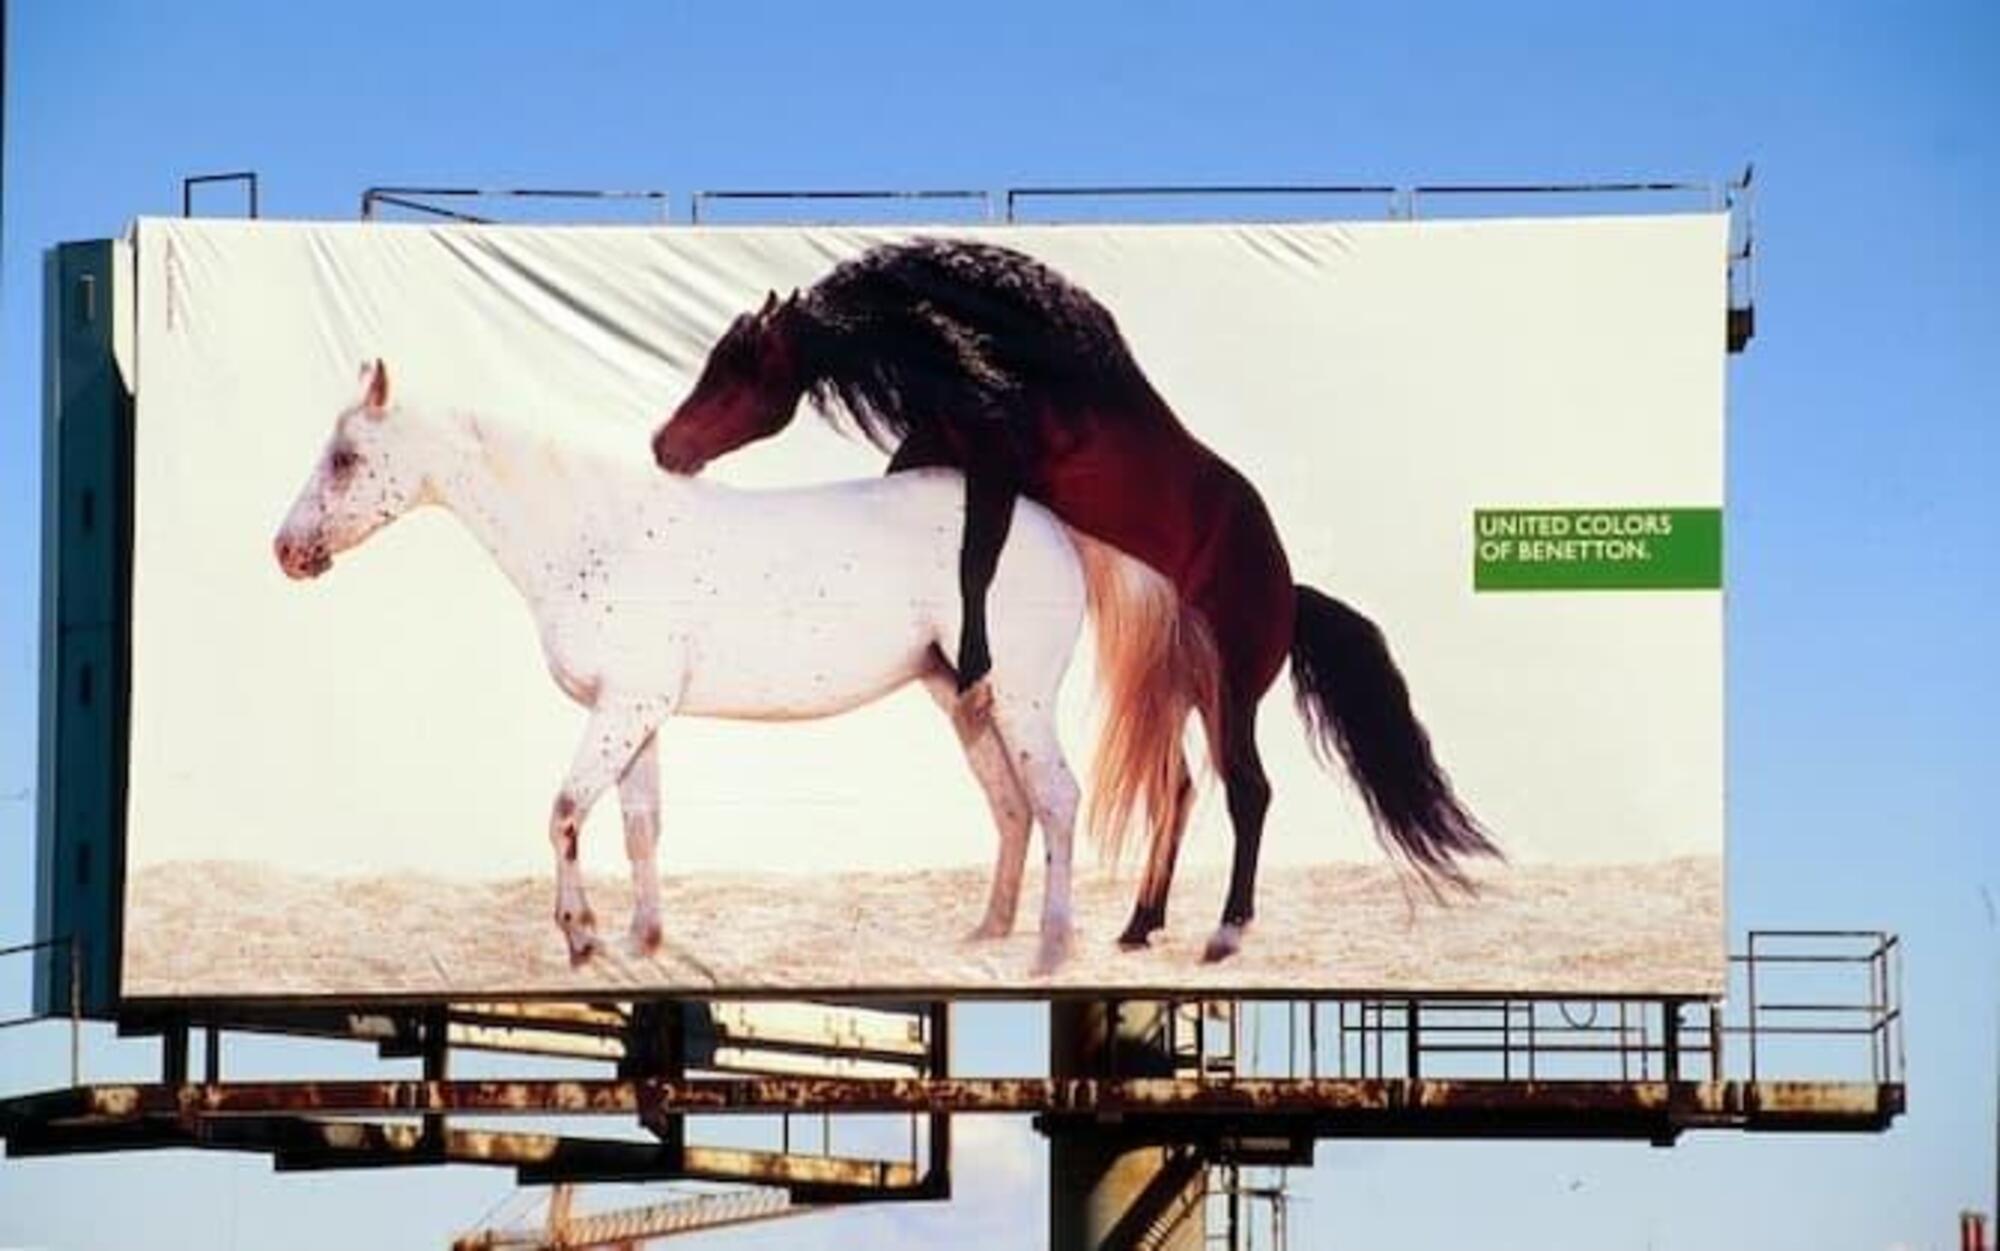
1353 701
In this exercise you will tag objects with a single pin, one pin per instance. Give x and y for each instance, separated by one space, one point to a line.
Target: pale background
1376 381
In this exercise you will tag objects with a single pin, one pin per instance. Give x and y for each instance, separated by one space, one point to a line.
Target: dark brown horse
983 359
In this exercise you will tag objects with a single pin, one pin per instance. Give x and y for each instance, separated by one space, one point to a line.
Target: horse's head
748 390
359 485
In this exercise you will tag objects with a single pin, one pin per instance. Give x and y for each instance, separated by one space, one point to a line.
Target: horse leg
989 518
639 801
1242 588
1003 797
617 730
1249 795
1027 731
989 514
1149 912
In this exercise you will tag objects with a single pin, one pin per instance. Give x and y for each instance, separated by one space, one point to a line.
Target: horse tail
1354 702
1156 664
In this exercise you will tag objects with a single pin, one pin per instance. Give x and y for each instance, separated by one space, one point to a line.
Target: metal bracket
247 177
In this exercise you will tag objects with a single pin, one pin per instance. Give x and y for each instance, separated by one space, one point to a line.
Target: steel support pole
174 1053
437 1068
1107 1189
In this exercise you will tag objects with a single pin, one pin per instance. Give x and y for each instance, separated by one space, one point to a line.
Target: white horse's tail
1156 663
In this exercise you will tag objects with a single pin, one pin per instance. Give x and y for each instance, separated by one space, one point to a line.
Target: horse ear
376 400
770 305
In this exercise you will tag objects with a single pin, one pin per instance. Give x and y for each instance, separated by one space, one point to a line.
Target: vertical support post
941 1124
1646 1042
174 1054
1877 1048
437 1067
1200 1040
211 1054
1107 1186
1312 1039
1624 1046
1292 1038
1896 997
1413 1043
1531 1040
1340 1042
1381 1032
1670 1043
656 1047
1751 1024
937 1180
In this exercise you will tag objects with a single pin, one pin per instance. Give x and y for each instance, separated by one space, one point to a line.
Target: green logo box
1597 549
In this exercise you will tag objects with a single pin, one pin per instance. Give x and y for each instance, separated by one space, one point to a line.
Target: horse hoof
1224 943
580 952
1135 940
645 939
987 931
1054 950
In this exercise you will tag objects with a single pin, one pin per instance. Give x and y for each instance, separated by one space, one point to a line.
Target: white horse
659 595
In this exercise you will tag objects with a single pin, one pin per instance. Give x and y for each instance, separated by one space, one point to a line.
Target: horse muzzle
674 459
301 560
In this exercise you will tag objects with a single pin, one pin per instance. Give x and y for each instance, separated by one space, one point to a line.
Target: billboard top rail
699 199
1399 201
1009 205
416 199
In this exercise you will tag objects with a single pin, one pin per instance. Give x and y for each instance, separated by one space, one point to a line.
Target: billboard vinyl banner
1024 610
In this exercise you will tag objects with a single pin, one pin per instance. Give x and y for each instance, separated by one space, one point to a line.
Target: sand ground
215 928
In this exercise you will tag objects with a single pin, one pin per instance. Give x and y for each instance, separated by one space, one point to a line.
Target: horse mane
913 336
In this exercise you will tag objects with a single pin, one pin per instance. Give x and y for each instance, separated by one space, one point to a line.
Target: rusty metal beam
740 1037
1332 1106
803 1175
29 1140
302 1144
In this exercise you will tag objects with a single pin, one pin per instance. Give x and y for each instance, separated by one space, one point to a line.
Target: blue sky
1862 456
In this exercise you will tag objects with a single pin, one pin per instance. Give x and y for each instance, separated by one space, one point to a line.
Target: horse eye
343 462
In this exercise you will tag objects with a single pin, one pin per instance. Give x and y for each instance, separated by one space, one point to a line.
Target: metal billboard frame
108 407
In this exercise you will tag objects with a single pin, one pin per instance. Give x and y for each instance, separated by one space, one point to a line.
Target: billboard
524 610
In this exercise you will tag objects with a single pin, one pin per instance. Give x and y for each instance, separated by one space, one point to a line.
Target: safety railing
702 203
72 947
417 199
1386 198
1829 1000
1799 986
